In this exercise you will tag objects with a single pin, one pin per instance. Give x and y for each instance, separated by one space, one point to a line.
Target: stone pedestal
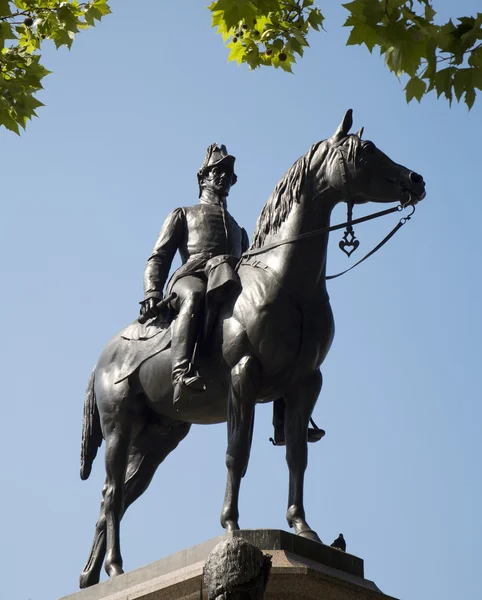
301 570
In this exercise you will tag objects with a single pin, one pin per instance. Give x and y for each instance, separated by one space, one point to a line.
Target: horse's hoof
88 579
309 534
231 526
113 570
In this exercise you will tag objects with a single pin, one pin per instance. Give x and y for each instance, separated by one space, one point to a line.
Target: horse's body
268 344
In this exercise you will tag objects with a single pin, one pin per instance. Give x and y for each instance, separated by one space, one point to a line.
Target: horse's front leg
245 383
300 401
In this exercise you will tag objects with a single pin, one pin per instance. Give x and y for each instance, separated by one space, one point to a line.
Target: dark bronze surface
267 340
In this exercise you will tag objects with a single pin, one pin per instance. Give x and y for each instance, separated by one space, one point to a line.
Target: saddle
141 342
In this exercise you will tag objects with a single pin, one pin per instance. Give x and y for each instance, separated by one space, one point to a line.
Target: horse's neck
301 265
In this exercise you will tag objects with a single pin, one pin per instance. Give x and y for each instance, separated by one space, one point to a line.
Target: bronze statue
266 343
210 243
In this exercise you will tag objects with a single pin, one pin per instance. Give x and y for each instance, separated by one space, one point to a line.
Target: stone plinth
301 570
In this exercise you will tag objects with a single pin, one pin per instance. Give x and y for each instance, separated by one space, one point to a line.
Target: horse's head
363 173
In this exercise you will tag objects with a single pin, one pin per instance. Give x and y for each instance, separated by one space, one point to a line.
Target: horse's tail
91 431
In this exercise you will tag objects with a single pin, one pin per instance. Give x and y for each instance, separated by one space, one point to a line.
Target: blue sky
130 111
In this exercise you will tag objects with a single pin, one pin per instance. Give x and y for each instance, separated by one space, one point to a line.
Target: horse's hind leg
120 413
91 572
147 452
116 455
300 401
245 383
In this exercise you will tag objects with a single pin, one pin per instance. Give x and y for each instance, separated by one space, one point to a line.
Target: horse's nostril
415 178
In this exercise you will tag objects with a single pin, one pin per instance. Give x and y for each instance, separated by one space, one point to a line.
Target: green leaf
462 82
287 63
6 33
475 58
9 122
429 12
315 19
443 82
252 57
92 14
237 52
355 8
363 34
5 8
477 78
67 18
63 37
415 88
218 21
102 7
470 98
294 47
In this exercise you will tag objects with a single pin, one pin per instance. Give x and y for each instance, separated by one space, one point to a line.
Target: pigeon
339 543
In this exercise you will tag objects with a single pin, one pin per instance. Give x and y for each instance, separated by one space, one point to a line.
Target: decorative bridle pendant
349 243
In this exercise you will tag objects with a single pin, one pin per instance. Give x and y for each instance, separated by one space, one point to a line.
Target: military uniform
210 243
200 233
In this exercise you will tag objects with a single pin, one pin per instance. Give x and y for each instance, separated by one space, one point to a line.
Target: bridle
310 234
349 239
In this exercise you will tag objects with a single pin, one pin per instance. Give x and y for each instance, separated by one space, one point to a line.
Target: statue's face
218 180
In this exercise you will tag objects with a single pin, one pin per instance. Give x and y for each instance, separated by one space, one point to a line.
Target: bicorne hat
216 155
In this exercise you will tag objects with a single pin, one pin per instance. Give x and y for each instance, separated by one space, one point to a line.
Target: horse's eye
369 147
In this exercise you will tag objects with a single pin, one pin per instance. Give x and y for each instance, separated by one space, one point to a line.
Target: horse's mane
287 192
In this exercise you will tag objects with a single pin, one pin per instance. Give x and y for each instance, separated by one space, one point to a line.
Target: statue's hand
149 307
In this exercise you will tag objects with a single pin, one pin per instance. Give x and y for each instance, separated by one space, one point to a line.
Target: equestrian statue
233 327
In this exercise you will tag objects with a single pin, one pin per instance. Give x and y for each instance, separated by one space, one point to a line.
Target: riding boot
185 379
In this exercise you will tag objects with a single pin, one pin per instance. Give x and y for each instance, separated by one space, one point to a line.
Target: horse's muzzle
415 187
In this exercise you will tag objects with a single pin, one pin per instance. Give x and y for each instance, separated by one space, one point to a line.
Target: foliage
24 26
428 55
266 32
445 57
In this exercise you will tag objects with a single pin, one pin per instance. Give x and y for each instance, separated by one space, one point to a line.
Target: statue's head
217 171
236 570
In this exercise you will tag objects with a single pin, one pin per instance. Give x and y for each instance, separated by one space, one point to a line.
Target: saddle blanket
138 343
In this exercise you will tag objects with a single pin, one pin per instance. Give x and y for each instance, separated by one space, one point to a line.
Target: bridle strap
348 224
310 234
382 243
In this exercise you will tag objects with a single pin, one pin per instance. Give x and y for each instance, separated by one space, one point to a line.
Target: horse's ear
344 127
360 133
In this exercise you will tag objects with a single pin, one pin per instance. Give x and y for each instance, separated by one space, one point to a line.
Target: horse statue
267 344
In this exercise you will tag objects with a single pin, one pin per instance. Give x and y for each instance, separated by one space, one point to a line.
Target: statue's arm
159 262
244 240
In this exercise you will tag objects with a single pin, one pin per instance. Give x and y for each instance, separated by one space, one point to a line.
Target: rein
310 234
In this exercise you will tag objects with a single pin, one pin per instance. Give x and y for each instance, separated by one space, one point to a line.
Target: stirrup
187 386
194 382
314 435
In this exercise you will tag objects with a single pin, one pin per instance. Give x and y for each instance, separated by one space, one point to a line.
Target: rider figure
210 243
